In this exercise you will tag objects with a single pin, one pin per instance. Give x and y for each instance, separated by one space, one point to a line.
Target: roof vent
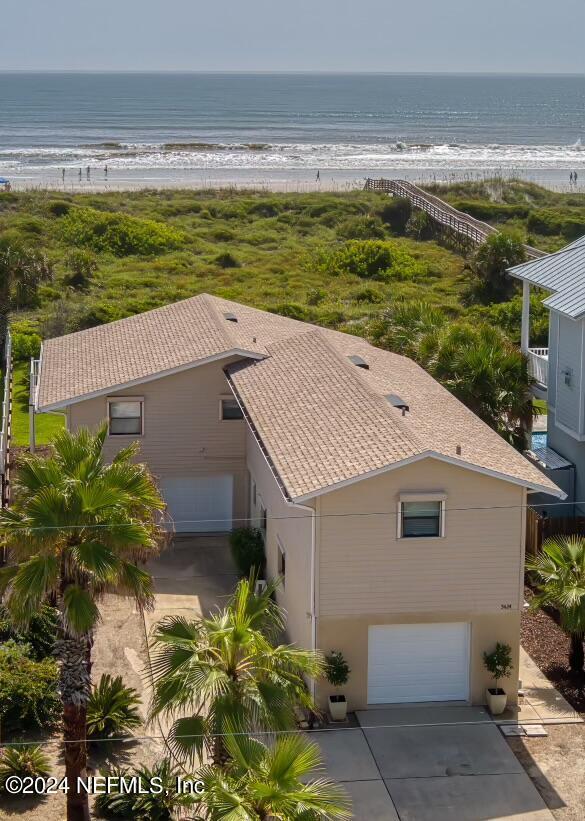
397 402
359 362
231 317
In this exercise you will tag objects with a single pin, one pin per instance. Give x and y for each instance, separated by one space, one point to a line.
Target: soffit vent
231 317
359 362
397 402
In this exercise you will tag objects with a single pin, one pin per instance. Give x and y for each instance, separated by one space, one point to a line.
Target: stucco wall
350 635
183 433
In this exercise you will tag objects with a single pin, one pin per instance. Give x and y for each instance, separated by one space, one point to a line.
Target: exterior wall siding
477 567
569 358
183 433
293 527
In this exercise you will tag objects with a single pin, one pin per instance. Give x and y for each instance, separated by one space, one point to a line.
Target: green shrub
117 233
499 662
226 260
362 227
420 226
112 708
25 345
154 805
396 213
491 211
22 762
372 259
28 689
315 296
293 310
82 265
368 294
59 208
336 668
491 260
40 635
247 547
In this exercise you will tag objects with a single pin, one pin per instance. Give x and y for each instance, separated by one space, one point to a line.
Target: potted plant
499 664
337 673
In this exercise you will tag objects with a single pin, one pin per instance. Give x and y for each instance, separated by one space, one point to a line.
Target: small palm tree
560 568
228 668
76 531
112 708
264 782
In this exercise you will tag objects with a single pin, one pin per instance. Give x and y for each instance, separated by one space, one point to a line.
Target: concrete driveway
421 763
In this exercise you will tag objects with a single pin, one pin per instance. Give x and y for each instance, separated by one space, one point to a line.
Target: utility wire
257 519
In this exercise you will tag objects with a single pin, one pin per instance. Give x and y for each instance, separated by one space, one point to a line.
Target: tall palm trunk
75 656
576 653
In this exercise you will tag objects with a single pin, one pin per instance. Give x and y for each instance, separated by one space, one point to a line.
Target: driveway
417 763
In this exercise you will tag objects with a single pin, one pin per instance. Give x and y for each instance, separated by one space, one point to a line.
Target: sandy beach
128 179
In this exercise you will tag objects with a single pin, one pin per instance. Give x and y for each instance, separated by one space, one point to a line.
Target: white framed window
126 416
229 409
421 516
281 561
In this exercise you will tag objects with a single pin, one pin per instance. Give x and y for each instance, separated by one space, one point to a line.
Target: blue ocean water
290 121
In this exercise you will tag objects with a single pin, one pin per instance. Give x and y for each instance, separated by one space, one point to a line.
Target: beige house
394 515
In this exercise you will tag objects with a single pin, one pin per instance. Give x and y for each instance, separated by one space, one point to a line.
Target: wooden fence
539 528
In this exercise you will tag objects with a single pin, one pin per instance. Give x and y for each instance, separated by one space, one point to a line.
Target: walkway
473 230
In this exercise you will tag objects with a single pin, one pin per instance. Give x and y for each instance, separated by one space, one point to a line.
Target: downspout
313 611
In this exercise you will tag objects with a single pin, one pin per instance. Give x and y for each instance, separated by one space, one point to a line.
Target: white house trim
149 378
430 454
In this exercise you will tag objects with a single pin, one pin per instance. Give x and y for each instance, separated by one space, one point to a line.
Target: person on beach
106 171
63 174
80 175
87 172
575 177
318 176
571 178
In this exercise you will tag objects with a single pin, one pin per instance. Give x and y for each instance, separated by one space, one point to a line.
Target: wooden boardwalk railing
471 230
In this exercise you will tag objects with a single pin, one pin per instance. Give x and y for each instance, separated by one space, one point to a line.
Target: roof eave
73 400
534 487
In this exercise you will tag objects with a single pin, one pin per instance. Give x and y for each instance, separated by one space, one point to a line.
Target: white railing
5 411
538 365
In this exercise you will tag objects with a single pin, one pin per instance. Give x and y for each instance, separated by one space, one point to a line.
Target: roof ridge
360 379
220 322
571 248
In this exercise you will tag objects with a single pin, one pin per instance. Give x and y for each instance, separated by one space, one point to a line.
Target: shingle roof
321 419
563 273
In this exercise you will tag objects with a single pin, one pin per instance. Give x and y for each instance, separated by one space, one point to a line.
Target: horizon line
338 72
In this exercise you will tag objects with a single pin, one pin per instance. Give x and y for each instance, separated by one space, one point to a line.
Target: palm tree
264 782
228 668
560 568
76 531
483 369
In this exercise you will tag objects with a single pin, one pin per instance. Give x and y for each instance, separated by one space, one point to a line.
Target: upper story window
421 516
263 519
229 409
126 417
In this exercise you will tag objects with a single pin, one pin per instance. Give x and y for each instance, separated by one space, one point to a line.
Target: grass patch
47 425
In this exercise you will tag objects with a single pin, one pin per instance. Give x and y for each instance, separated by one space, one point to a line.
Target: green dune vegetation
357 261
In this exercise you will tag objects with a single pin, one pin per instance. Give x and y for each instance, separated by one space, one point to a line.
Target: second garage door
418 662
201 504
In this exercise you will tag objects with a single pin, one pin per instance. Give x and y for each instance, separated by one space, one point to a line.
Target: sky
532 36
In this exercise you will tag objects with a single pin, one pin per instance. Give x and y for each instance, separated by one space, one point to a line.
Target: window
230 409
420 517
254 493
263 520
281 562
125 417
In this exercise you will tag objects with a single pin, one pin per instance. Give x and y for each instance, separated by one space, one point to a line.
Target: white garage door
418 662
201 504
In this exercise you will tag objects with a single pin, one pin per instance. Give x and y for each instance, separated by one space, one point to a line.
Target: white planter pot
338 708
496 700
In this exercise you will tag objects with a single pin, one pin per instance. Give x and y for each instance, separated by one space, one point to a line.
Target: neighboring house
394 515
560 369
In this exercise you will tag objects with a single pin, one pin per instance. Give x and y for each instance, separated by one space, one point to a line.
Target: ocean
173 129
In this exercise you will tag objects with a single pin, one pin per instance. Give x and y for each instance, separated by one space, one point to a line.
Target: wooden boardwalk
470 230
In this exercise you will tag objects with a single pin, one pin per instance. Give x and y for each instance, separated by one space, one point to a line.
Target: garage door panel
199 504
418 662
